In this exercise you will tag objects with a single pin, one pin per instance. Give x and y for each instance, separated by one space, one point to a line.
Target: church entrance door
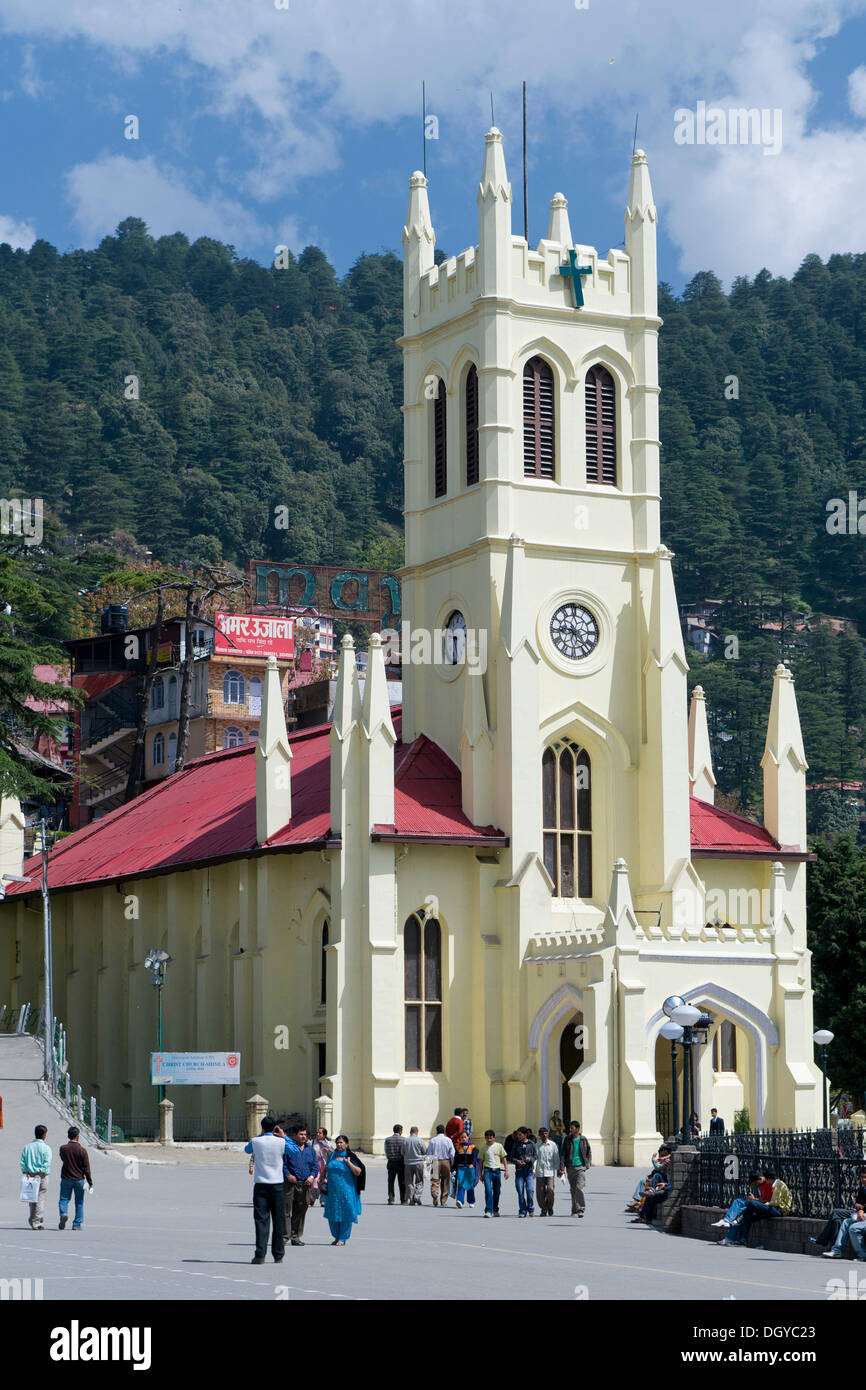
570 1058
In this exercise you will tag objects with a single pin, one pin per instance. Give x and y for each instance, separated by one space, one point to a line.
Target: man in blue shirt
268 1150
300 1167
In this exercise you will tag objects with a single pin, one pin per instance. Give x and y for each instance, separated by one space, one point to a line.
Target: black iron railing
821 1167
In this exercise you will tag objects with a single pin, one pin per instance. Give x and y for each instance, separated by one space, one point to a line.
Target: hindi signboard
195 1068
250 634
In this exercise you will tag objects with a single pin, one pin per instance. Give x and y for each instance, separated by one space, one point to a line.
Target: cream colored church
398 914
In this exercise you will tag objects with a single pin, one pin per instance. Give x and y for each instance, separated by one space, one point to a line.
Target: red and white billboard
247 634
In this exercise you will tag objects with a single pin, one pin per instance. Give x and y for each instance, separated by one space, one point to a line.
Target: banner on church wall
195 1068
249 634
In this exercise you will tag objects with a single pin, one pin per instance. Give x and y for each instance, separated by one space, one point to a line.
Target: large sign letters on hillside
366 596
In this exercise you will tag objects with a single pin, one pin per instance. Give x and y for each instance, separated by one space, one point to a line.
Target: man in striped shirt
394 1156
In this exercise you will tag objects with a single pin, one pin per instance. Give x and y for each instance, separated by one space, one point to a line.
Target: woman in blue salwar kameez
342 1205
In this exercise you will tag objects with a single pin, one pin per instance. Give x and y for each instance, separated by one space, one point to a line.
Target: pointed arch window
440 443
422 976
539 420
600 426
323 967
471 406
725 1046
567 816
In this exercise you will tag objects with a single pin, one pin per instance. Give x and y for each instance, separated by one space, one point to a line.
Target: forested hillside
263 388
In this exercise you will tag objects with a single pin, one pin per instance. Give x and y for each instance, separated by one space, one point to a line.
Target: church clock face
574 631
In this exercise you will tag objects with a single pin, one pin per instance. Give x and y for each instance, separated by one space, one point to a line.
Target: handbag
30 1184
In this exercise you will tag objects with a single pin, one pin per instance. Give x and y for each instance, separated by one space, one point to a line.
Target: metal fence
821 1167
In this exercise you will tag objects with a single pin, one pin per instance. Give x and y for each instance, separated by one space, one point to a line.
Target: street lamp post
48 1062
673 1032
823 1038
691 1022
155 962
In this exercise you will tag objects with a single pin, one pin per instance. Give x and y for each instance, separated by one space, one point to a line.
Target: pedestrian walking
557 1129
717 1124
36 1163
268 1149
494 1162
74 1172
467 1170
343 1177
546 1169
440 1155
576 1162
396 1167
414 1151
467 1123
324 1147
523 1158
300 1171
454 1126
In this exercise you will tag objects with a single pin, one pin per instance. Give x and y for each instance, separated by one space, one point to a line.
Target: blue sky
302 124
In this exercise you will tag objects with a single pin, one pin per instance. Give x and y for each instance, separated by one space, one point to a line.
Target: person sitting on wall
830 1234
657 1190
780 1204
853 1228
758 1188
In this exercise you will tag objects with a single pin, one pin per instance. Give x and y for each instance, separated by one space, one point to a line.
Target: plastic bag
30 1187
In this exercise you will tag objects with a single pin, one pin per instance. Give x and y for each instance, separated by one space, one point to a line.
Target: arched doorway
570 1058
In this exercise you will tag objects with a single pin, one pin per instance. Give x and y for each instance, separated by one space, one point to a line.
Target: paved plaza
183 1229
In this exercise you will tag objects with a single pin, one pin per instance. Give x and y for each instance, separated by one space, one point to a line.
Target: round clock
455 639
574 631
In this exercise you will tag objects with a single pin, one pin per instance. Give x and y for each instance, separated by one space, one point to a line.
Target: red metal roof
97 682
716 831
207 813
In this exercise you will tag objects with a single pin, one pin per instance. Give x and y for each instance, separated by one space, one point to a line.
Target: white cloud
294 82
857 91
18 234
113 187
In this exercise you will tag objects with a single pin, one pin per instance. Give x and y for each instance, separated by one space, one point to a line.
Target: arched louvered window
323 987
234 688
440 444
157 694
600 426
539 420
567 817
172 751
422 975
158 751
472 426
233 737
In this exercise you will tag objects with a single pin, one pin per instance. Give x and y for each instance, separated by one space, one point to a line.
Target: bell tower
532 526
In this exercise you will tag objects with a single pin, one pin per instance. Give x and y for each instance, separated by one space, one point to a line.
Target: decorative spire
273 760
11 836
559 228
494 218
476 752
641 225
784 764
665 633
347 700
419 241
701 779
376 707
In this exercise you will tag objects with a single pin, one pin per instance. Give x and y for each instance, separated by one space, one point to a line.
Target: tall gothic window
158 751
472 426
440 444
422 975
157 694
539 420
566 811
323 967
725 1047
600 426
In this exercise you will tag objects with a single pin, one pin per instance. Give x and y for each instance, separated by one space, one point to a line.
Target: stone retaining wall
787 1233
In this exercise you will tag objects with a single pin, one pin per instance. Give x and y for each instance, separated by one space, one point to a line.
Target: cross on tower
574 272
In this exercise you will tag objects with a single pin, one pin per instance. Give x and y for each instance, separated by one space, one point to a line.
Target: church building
485 898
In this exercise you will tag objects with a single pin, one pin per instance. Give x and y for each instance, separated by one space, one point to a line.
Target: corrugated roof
723 831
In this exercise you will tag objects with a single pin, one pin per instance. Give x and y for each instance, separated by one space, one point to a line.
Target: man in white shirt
268 1149
546 1169
440 1152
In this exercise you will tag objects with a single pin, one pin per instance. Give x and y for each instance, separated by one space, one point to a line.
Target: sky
265 123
